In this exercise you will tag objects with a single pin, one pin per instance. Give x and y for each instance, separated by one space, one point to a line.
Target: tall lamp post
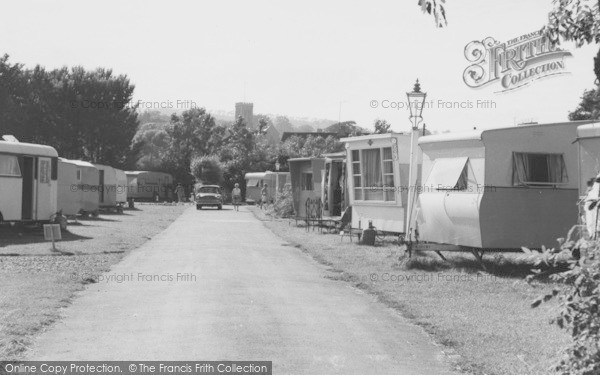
416 101
277 165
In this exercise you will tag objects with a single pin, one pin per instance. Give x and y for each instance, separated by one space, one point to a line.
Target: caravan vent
10 138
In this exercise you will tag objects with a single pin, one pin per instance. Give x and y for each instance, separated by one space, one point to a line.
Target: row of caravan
36 184
495 189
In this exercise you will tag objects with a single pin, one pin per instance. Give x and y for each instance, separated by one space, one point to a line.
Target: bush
579 303
284 203
207 169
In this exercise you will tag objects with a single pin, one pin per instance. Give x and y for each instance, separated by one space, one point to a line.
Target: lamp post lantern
416 102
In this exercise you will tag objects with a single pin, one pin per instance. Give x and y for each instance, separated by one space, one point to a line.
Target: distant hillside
301 124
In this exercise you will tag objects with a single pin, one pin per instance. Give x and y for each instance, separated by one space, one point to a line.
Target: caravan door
11 187
28 192
45 202
101 183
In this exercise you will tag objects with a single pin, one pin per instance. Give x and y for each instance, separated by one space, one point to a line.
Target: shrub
207 169
579 303
284 203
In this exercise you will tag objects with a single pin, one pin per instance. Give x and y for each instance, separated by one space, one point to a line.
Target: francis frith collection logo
515 63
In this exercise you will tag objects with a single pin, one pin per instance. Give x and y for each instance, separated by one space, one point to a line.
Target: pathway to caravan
218 285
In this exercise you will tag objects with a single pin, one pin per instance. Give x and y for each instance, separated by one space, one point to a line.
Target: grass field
483 319
36 283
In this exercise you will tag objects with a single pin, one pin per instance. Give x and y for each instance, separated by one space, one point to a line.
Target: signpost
52 233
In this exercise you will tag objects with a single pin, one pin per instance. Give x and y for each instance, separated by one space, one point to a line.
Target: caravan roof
27 149
478 135
588 131
79 163
372 136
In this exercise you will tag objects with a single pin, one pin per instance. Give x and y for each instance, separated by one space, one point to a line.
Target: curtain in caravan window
557 171
538 169
371 166
446 174
520 169
9 165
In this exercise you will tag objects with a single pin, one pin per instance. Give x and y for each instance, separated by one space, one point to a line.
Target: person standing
264 192
236 195
180 193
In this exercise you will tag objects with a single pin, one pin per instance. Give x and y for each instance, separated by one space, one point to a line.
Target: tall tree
191 134
83 114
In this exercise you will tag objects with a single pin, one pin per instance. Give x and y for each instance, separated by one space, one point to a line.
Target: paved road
253 298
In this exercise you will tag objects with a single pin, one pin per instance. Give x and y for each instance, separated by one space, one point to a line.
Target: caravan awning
445 173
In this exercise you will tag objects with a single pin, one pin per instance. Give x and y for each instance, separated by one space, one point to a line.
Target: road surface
218 285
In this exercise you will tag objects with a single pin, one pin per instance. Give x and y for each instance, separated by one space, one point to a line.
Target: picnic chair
345 226
314 213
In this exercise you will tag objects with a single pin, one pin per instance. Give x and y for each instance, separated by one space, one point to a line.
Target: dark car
209 195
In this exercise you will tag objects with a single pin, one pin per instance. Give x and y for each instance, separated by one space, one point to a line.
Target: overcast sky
300 58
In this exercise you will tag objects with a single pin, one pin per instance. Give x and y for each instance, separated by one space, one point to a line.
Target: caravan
112 183
498 189
378 179
77 187
149 186
256 180
305 178
322 179
28 186
121 181
588 142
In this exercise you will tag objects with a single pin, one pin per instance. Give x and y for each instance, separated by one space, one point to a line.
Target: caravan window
356 175
307 181
539 169
373 174
388 174
9 166
255 182
78 174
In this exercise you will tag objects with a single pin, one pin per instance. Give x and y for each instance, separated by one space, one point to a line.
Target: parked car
209 195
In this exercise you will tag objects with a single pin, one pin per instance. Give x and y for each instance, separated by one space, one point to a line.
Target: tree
283 124
305 128
436 8
207 169
382 126
570 20
235 155
589 108
311 146
574 20
150 146
154 117
194 133
345 129
83 114
263 124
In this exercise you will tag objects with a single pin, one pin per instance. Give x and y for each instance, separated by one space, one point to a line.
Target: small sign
52 232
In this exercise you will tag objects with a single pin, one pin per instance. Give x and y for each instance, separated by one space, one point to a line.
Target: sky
313 59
